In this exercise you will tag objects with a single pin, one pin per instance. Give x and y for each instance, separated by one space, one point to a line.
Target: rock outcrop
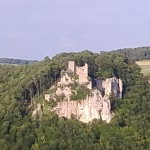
110 86
96 105
37 111
83 110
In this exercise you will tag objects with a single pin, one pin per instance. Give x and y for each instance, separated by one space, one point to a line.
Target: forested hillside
16 61
140 53
22 87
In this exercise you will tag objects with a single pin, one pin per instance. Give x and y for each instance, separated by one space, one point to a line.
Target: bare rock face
106 113
94 106
37 111
110 86
93 103
83 110
97 106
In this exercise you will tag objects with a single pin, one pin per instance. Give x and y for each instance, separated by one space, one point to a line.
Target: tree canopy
16 61
140 53
22 87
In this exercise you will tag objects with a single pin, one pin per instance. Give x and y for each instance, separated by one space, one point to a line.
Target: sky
34 29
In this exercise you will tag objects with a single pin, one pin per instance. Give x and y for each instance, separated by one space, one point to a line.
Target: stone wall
83 73
71 66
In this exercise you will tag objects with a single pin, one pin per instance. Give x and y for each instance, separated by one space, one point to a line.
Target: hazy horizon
33 29
68 52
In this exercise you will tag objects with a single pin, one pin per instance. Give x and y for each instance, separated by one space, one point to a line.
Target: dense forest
140 53
16 61
21 87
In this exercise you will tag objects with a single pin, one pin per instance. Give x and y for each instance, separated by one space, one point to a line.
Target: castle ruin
96 105
82 72
66 79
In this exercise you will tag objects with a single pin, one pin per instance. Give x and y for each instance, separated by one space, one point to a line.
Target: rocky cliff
83 100
95 106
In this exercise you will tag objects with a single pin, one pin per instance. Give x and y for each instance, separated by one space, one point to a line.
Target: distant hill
16 61
140 53
22 91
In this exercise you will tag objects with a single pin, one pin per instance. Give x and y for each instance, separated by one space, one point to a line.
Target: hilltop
139 53
16 61
78 95
23 88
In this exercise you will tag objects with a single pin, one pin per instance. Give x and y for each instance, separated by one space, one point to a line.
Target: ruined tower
71 66
83 73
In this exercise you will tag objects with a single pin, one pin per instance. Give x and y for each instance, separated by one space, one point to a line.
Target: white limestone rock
37 111
110 86
106 113
84 110
97 106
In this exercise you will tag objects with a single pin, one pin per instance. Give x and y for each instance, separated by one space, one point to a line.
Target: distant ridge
139 53
16 61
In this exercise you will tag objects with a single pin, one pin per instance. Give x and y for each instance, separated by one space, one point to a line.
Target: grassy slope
145 65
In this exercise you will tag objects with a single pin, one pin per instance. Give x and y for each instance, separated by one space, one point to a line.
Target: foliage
80 93
60 97
139 53
16 61
22 86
